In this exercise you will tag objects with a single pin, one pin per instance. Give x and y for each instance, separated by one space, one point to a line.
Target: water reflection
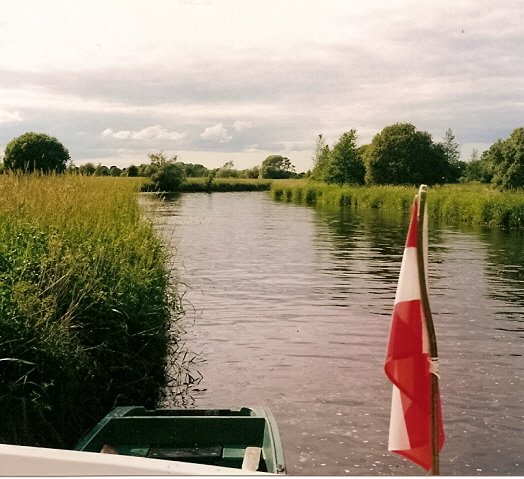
291 309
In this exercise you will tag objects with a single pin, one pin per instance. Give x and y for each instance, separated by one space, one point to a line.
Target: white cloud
240 125
156 132
217 133
7 117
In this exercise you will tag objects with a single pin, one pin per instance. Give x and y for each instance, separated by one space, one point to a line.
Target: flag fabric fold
408 363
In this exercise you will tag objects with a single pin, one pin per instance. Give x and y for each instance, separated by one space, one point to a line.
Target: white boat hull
37 461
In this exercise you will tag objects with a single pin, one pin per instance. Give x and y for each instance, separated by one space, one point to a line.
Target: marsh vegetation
86 305
473 204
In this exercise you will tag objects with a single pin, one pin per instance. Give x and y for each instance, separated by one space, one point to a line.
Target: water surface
289 307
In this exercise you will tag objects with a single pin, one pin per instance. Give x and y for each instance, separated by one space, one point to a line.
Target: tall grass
85 305
474 204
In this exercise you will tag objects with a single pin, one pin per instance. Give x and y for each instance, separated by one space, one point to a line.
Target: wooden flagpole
421 249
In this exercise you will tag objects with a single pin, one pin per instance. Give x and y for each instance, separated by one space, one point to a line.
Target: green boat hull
217 437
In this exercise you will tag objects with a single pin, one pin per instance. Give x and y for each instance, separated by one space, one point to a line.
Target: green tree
227 171
130 171
401 155
195 170
320 160
165 173
345 164
114 171
87 169
276 167
101 170
251 172
456 168
477 169
506 160
36 152
451 147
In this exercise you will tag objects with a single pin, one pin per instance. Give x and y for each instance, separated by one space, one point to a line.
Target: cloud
216 133
147 134
240 125
7 117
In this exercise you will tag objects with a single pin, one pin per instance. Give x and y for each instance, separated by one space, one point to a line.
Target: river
289 307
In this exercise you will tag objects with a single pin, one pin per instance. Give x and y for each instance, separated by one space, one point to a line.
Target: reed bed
474 204
85 305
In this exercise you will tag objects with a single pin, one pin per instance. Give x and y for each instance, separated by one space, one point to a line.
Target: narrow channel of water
289 307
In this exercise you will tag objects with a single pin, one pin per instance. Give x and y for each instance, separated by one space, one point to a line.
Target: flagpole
422 247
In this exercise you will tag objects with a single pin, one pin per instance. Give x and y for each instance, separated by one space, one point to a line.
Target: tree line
40 152
402 155
398 155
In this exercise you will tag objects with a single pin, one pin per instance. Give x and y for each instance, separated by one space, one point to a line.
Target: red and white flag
408 363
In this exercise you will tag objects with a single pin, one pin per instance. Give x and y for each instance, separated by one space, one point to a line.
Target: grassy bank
473 204
84 305
194 185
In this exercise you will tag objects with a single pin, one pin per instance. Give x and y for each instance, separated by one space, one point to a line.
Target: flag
408 363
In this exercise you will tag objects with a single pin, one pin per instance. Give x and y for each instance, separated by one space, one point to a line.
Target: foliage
36 152
477 169
276 166
451 147
195 170
251 173
473 204
345 165
165 173
101 170
227 171
506 159
456 167
114 171
320 160
131 171
401 155
87 169
84 305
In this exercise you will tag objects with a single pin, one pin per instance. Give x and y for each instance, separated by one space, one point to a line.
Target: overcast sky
237 80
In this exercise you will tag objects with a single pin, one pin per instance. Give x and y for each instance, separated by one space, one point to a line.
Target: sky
214 81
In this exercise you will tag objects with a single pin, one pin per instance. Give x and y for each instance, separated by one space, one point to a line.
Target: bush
165 174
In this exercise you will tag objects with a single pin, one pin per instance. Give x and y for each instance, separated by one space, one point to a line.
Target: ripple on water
292 308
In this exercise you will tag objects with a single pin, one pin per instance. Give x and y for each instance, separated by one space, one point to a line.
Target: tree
251 172
506 160
165 173
87 169
320 160
114 171
451 147
130 171
401 155
476 169
195 170
345 164
227 171
456 168
36 152
101 170
276 166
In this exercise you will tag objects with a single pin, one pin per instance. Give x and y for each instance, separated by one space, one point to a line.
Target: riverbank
85 305
472 204
212 185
